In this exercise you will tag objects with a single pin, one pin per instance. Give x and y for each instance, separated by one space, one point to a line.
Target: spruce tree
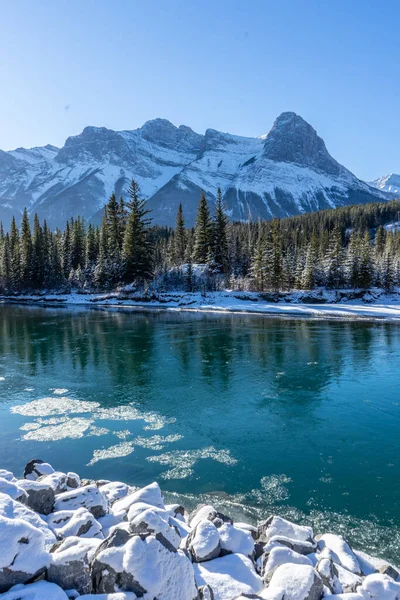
220 239
202 250
179 238
335 261
25 252
137 248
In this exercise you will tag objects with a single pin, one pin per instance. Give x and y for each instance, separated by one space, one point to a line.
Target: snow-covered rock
138 507
379 587
340 552
115 490
12 489
90 497
299 582
204 542
22 552
15 510
206 511
144 566
79 523
295 545
73 480
235 540
41 590
279 527
151 522
151 494
229 576
280 556
41 495
36 468
69 564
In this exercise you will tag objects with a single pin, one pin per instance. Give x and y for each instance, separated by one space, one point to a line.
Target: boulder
278 527
235 540
206 511
329 575
143 566
115 490
228 576
73 480
150 522
57 480
204 541
36 468
389 570
41 495
12 489
348 581
4 474
70 564
41 590
151 494
296 545
206 593
79 523
23 555
139 507
247 527
299 582
89 497
279 556
15 510
379 587
340 552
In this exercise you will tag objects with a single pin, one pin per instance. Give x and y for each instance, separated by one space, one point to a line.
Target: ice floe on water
73 428
156 442
2 378
59 391
117 451
183 461
54 406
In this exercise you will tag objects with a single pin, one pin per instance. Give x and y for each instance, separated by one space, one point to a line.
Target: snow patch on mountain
388 183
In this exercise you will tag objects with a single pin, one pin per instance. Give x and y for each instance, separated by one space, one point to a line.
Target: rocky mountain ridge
289 171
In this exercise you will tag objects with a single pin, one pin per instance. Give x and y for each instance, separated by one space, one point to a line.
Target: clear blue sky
232 65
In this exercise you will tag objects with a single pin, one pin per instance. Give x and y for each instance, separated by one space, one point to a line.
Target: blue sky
232 65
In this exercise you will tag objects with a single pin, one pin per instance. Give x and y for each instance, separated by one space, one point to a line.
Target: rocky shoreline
62 537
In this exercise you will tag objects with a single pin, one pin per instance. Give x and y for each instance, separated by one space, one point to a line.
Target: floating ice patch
117 451
2 378
98 431
59 391
183 461
54 406
156 442
29 389
122 435
30 426
131 413
73 428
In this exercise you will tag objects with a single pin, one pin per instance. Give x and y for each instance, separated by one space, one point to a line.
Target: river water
258 414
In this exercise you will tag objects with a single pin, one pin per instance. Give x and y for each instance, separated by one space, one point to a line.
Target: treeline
338 248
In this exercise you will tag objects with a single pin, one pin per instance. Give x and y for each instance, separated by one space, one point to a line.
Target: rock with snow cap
151 494
15 510
23 554
36 468
79 523
70 564
73 480
379 587
295 545
41 590
41 495
278 527
340 552
204 542
229 576
12 489
348 581
206 511
114 490
235 540
139 507
151 522
144 566
299 582
90 497
329 575
4 474
279 556
205 593
57 480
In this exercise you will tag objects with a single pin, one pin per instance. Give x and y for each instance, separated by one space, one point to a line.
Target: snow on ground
320 304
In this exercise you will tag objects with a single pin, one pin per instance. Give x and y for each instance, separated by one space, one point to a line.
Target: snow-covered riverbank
344 304
62 537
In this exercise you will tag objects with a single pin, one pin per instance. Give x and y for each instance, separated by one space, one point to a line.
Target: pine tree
388 274
6 276
380 240
203 233
273 257
257 268
179 238
335 261
365 275
38 250
137 248
220 239
25 252
66 251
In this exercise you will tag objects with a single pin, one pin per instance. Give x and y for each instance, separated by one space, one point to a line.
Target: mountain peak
293 140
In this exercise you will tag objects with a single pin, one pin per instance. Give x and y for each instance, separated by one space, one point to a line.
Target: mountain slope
289 171
388 183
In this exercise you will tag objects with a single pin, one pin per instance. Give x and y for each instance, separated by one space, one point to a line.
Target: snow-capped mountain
287 172
388 183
